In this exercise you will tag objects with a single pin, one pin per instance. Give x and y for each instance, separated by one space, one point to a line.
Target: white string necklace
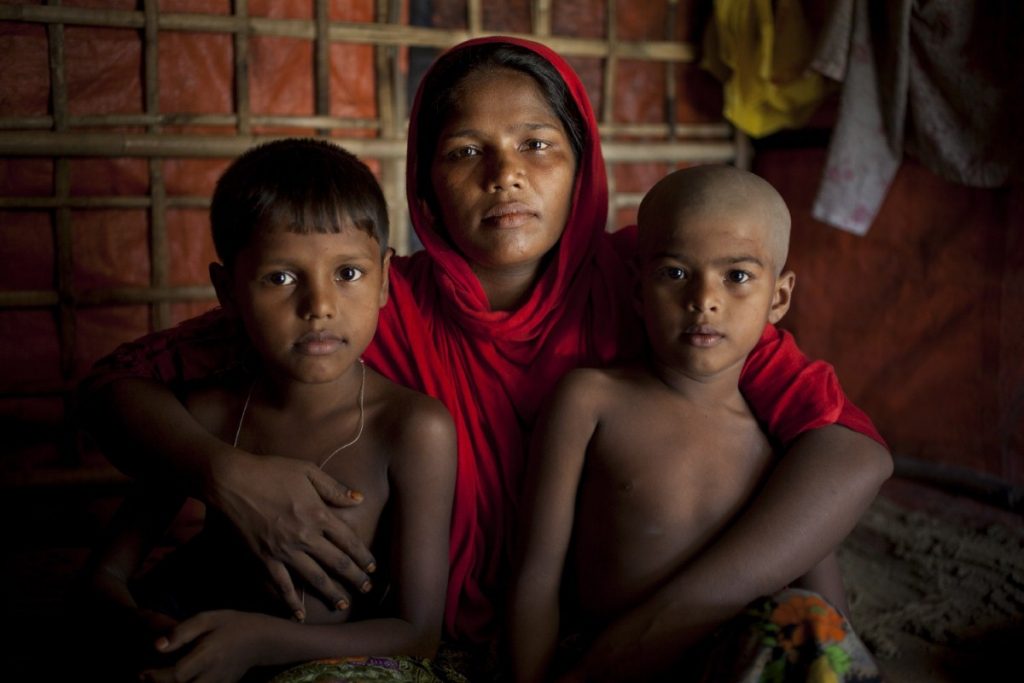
339 449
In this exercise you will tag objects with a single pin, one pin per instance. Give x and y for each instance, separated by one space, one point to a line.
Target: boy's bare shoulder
597 383
213 401
403 414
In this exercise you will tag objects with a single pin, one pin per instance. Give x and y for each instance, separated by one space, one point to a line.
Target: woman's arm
810 502
281 507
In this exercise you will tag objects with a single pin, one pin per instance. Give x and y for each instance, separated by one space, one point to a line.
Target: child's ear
221 279
784 285
385 283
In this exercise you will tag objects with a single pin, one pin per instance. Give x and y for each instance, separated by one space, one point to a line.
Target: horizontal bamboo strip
145 295
213 120
29 299
119 202
682 130
165 145
175 146
641 152
661 130
364 33
113 296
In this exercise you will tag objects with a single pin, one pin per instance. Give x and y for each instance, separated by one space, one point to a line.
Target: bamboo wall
117 117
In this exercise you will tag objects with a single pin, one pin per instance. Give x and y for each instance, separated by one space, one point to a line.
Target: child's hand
224 645
284 510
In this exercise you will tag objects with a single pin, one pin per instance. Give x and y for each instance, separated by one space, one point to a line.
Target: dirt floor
936 585
936 582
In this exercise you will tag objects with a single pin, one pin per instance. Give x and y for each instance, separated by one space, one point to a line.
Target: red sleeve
790 394
197 348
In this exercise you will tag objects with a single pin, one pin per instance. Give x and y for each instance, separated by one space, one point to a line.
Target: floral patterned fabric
794 635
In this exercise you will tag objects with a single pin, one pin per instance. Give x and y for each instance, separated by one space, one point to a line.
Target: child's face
310 302
503 173
707 289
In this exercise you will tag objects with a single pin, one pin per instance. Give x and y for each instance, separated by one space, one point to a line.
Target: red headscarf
492 368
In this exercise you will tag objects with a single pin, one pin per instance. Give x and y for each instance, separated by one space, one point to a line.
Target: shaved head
719 189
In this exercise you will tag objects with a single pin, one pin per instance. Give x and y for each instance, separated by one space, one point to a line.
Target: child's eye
349 274
280 278
738 277
461 153
672 273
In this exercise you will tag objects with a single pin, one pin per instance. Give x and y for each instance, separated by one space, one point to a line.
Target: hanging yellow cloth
761 55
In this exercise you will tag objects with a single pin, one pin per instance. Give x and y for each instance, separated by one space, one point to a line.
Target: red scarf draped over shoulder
492 369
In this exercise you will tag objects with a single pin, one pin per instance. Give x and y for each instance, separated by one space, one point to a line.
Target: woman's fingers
319 582
332 491
282 580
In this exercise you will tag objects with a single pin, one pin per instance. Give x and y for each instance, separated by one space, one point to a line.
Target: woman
518 283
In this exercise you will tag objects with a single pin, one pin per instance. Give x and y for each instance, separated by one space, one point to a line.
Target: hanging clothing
492 369
761 52
939 79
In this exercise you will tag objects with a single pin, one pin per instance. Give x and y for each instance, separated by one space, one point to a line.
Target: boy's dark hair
440 90
301 185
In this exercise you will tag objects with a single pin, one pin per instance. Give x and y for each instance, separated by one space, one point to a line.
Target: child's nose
702 296
319 302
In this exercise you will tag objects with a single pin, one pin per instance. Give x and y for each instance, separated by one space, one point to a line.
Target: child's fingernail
341 604
300 615
355 495
372 567
366 586
162 643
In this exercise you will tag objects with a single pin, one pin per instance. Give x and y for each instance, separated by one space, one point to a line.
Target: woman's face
503 173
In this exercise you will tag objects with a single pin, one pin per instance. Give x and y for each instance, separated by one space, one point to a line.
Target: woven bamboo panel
158 142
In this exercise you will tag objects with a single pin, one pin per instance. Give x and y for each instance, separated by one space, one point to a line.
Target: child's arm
553 474
422 469
826 579
273 502
134 531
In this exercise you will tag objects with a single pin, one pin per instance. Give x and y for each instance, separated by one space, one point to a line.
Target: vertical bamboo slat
322 63
391 114
608 99
541 13
241 42
158 250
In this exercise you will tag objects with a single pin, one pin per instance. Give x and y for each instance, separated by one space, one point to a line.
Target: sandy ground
936 586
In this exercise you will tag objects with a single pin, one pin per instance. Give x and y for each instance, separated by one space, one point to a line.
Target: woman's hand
225 644
283 509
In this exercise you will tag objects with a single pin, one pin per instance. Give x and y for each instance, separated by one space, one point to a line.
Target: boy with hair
634 470
300 227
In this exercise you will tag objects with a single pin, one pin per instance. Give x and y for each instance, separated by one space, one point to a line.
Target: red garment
492 369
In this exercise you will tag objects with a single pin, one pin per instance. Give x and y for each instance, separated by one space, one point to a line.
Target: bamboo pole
241 44
112 202
322 62
159 267
165 145
206 120
474 17
360 33
541 15
608 102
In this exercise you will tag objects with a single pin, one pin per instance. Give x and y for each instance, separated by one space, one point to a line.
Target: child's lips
319 343
702 336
